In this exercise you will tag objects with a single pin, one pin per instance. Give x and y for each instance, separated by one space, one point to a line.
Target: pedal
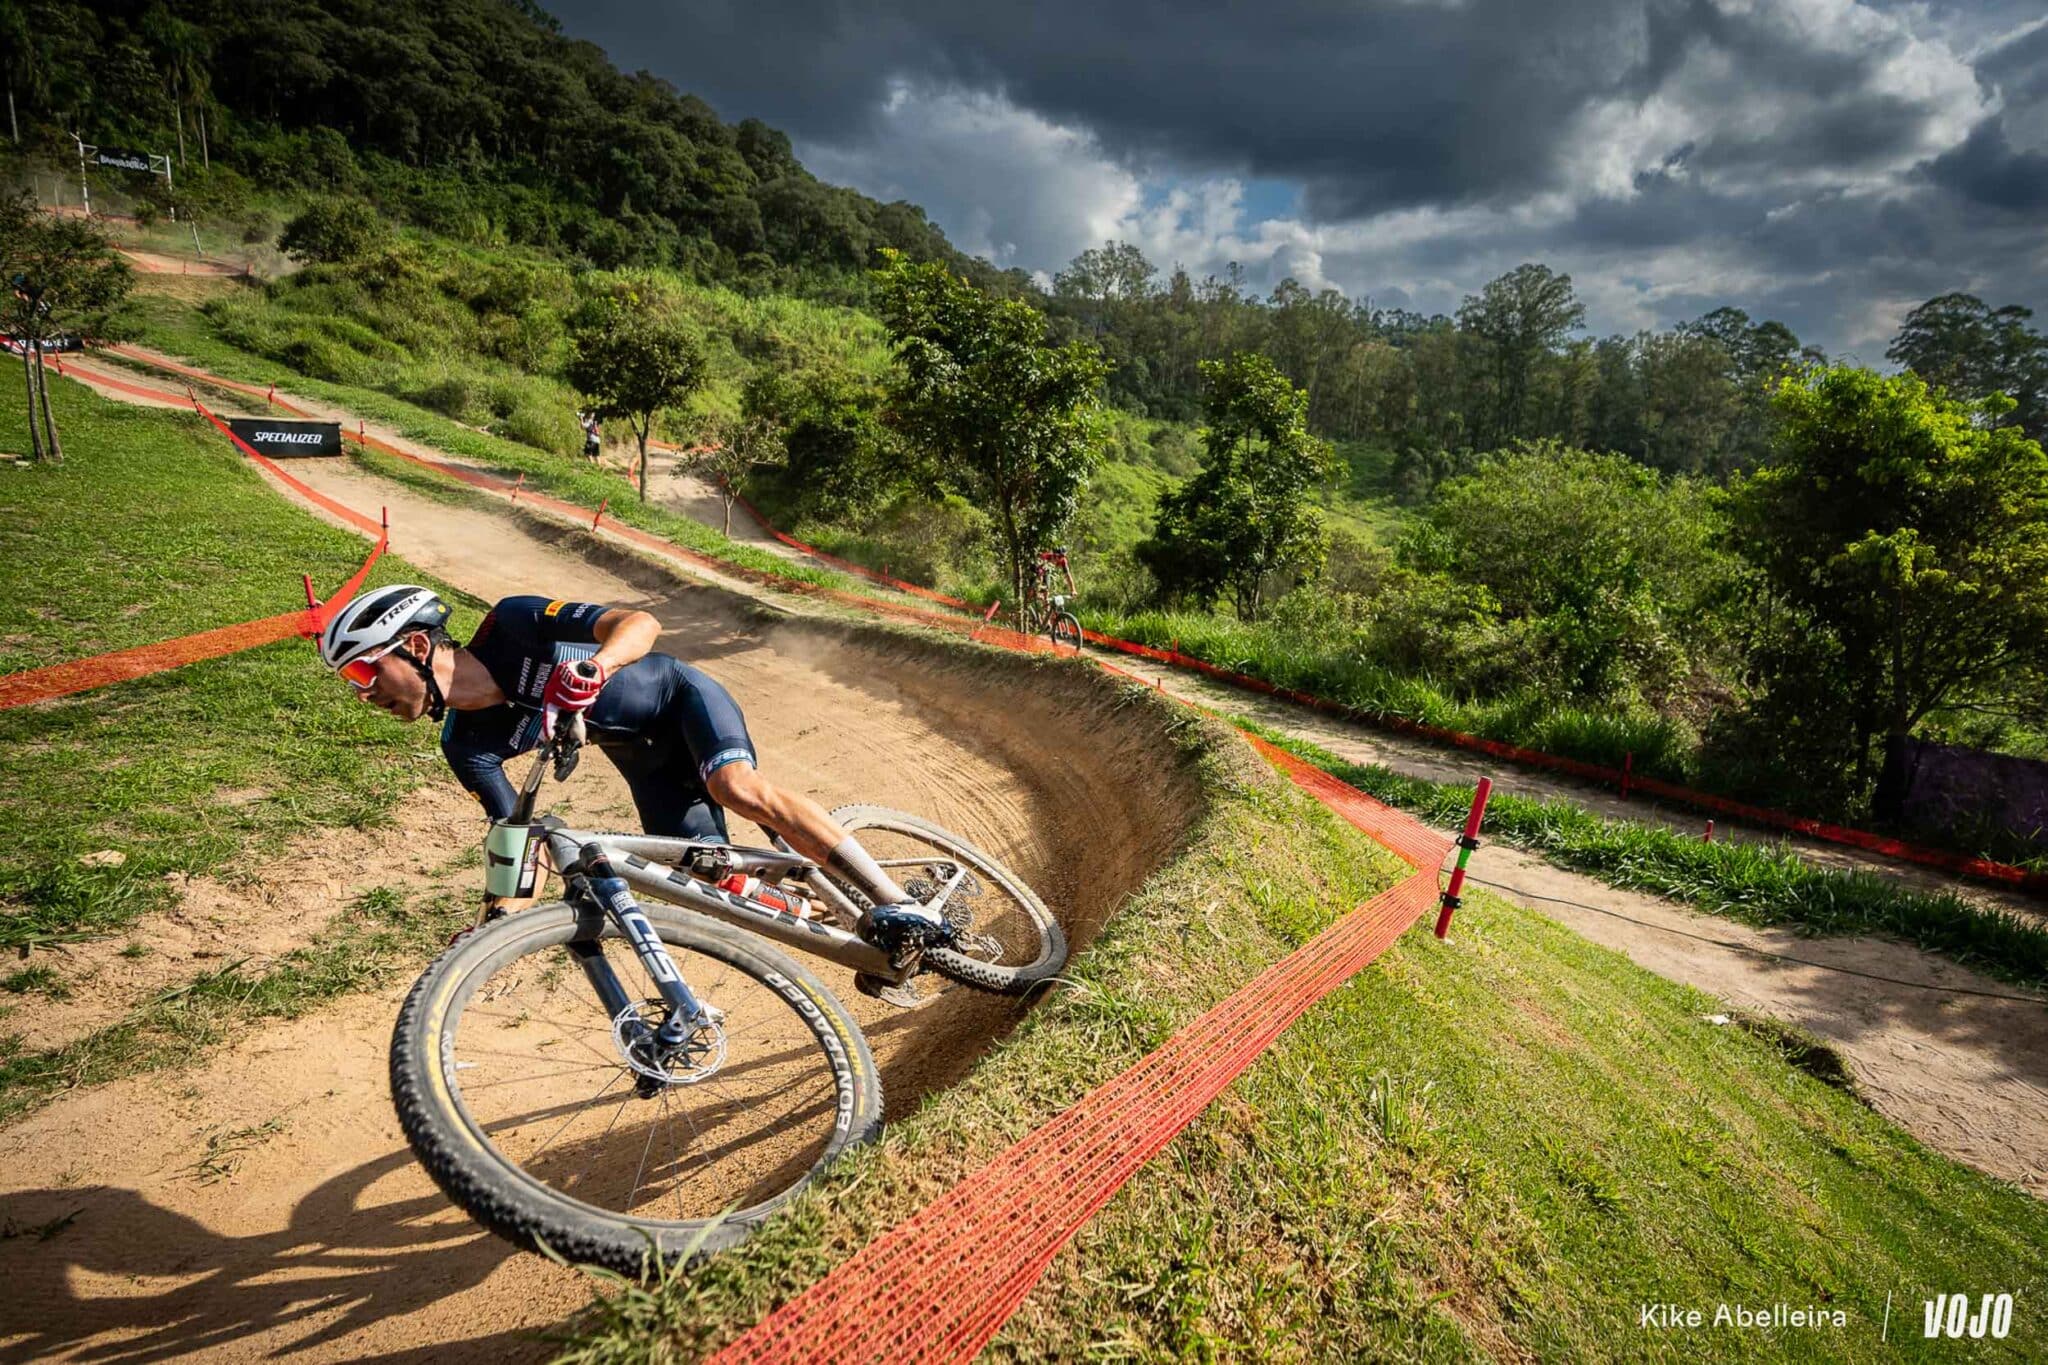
903 997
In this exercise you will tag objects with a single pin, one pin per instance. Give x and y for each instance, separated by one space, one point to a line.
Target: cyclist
1041 577
673 732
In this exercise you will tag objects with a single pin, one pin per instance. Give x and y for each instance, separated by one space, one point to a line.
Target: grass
175 328
1532 720
1501 1148
152 528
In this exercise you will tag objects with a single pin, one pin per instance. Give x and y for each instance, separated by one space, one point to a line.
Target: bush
1610 572
333 229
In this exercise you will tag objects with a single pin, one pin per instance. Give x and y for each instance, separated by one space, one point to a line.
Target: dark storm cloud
1987 171
1370 106
1819 160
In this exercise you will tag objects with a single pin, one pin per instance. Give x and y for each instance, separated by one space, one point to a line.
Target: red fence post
600 512
1467 841
989 616
271 397
517 486
1708 837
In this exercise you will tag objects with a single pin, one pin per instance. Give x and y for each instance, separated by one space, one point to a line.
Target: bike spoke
741 1134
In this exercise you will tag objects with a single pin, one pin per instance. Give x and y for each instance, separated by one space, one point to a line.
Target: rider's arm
624 636
1072 591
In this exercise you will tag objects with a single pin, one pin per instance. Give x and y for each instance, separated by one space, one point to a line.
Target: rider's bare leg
740 788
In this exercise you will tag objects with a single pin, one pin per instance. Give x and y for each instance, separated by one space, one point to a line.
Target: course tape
901 1297
59 680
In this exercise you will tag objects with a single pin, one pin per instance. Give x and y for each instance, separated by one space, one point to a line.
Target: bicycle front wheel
532 1110
1066 630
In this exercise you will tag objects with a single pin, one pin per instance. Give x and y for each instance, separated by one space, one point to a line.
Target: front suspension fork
595 881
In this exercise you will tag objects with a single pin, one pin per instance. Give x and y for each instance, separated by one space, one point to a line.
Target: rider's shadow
124 1280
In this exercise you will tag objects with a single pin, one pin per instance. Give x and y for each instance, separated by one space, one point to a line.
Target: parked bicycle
623 1081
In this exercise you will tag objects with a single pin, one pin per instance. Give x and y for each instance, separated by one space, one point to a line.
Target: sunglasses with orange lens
361 673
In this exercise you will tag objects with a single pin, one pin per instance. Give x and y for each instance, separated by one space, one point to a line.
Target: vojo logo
1951 1315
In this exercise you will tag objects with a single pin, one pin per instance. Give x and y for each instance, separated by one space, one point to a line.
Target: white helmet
376 618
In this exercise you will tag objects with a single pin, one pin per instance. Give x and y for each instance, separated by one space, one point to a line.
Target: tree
1245 517
64 277
1604 567
1521 316
734 448
631 356
334 229
1011 422
1957 342
1906 537
843 461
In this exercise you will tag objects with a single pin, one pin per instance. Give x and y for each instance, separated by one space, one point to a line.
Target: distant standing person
593 438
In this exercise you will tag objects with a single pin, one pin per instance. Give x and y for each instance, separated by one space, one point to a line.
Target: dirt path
158 263
311 1230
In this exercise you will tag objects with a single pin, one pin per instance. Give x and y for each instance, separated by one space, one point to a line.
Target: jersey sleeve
481 771
548 620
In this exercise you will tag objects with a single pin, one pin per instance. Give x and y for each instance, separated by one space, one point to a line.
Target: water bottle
761 893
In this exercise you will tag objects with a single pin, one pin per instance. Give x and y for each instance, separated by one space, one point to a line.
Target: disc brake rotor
698 1057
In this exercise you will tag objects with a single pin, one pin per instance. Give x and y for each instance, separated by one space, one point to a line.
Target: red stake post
600 513
987 617
1466 842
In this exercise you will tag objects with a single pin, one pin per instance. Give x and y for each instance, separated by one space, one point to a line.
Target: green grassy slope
1498 1147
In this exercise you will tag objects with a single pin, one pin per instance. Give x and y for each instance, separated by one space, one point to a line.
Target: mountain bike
1048 614
623 1081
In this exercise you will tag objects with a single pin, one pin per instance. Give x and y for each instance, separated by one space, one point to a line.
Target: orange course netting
900 1297
58 680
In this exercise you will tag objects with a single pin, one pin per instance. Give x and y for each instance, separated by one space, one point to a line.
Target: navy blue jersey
665 725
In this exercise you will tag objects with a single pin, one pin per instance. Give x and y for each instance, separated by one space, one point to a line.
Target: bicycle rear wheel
1009 941
514 1090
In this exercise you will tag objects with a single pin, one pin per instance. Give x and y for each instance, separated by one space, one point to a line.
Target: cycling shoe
908 924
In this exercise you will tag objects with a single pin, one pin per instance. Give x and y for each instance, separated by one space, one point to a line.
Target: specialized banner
127 161
51 345
281 439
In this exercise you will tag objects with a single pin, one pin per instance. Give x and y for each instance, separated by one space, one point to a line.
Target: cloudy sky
1827 162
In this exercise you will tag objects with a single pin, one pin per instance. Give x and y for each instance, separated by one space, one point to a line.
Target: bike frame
601 870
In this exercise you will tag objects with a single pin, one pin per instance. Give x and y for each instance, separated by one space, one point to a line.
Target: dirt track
326 1238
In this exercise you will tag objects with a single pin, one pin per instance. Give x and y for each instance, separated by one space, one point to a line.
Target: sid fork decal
617 899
